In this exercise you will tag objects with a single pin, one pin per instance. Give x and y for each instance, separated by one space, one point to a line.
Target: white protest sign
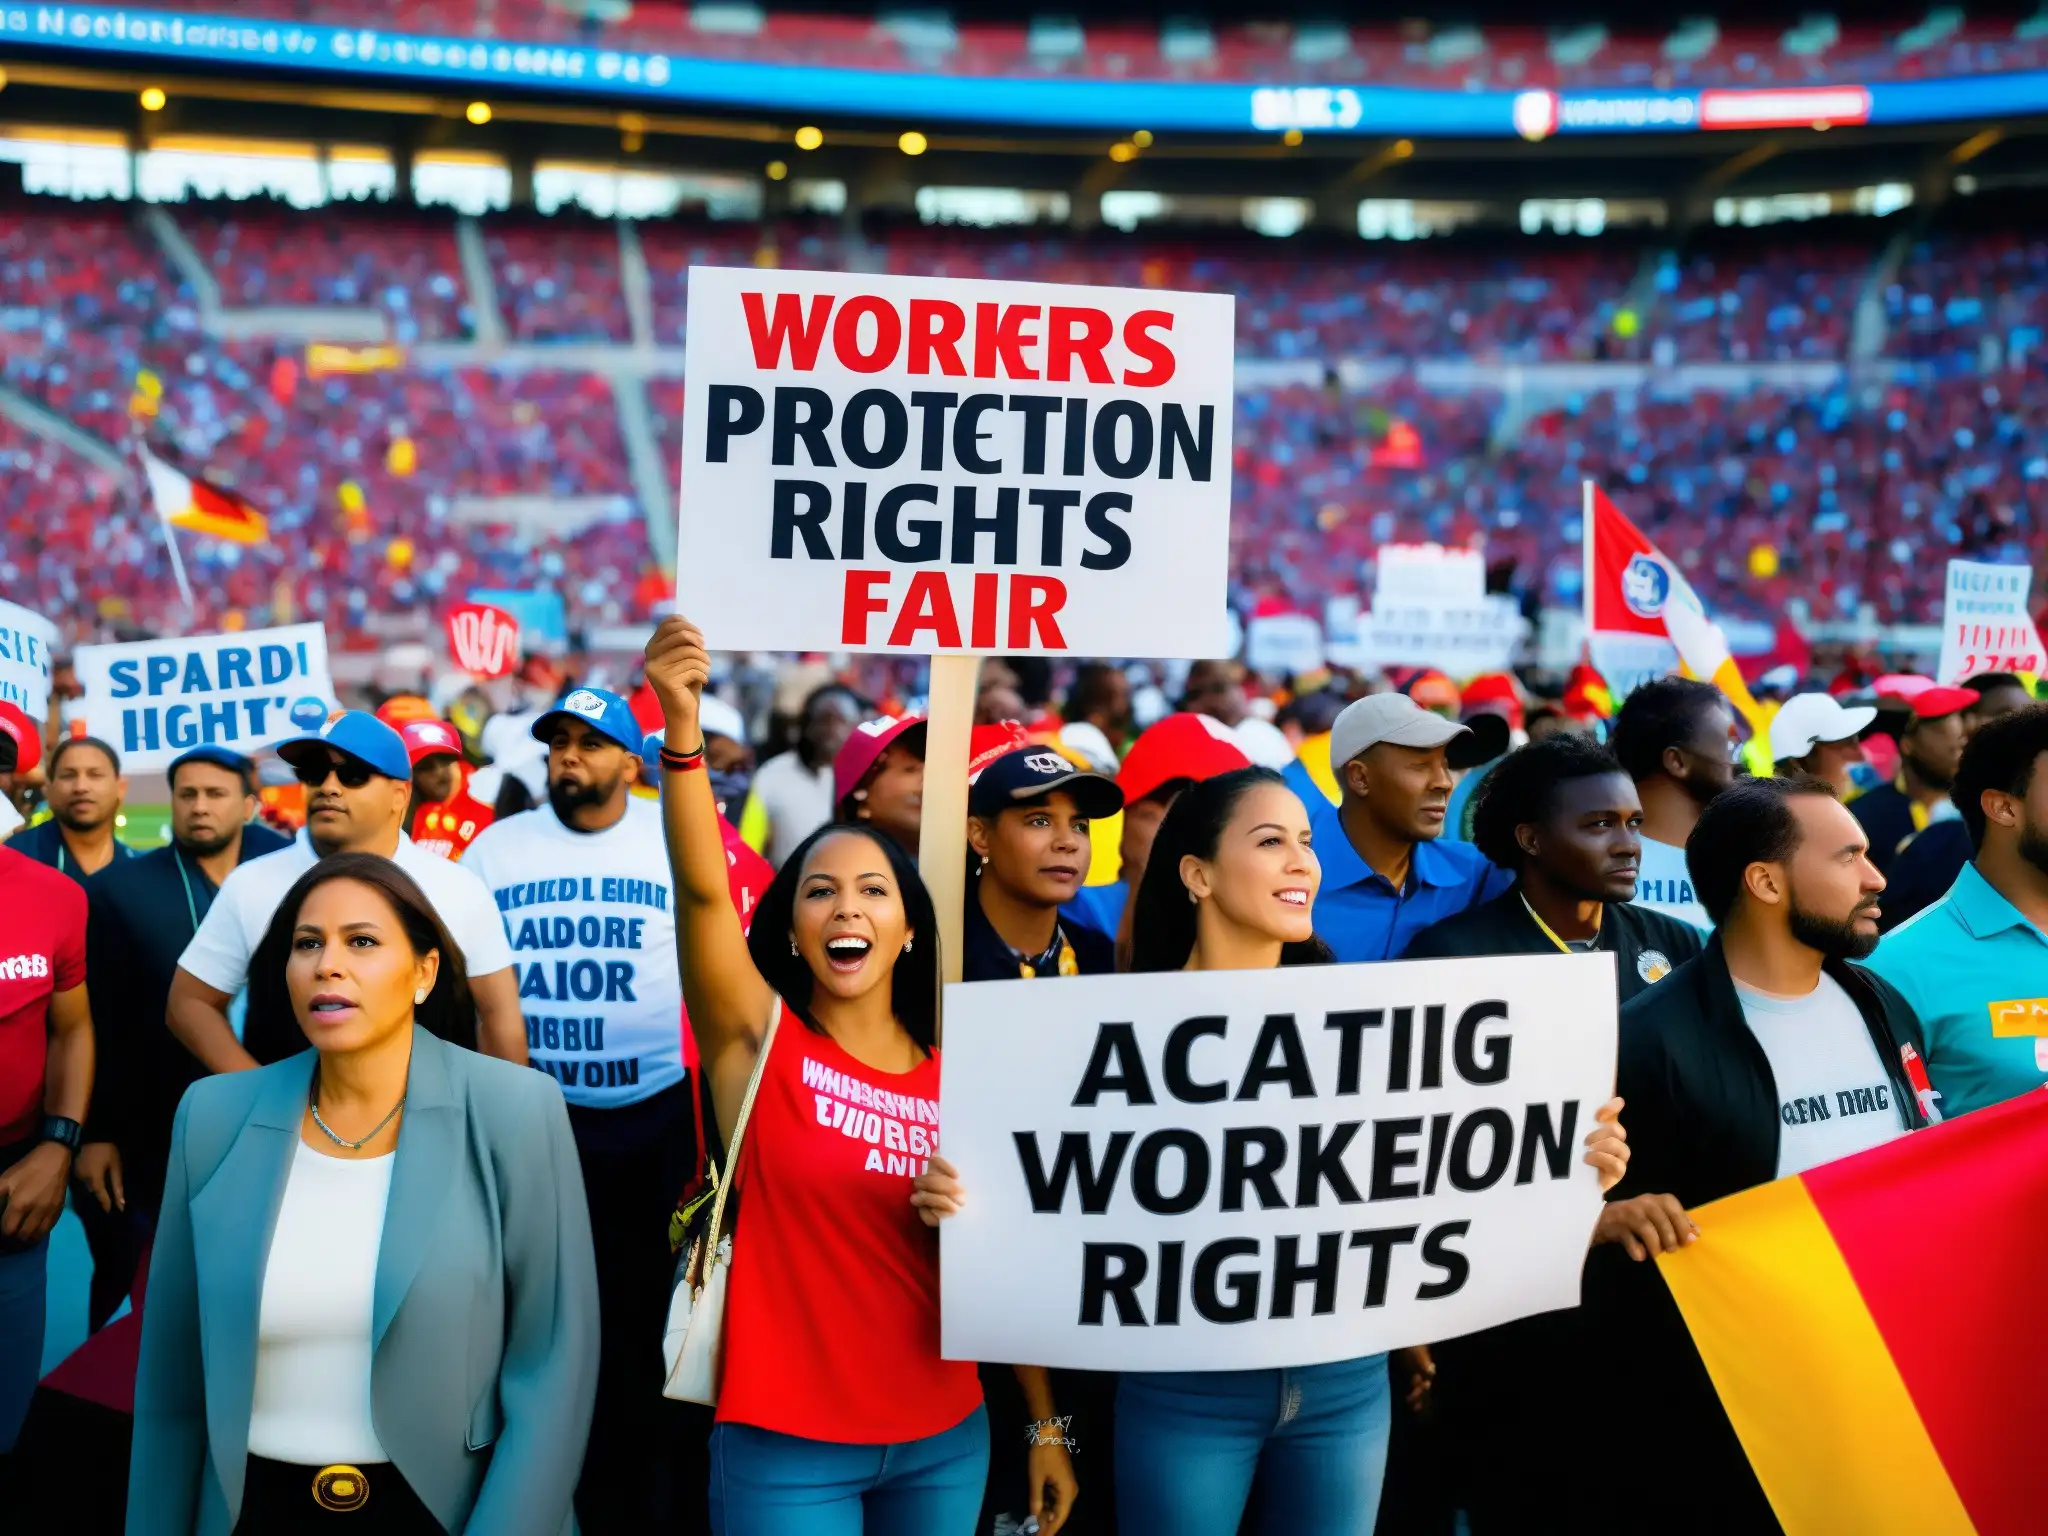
1237 1170
1457 638
1986 625
1287 644
1429 573
946 465
155 699
28 642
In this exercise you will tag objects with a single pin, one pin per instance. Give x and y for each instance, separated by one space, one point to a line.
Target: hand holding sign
678 666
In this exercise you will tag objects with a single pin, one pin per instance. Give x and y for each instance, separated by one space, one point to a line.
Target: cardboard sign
484 640
1457 638
941 465
1986 625
1238 1170
28 643
155 699
1283 644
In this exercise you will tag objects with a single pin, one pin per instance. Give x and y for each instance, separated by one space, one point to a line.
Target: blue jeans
769 1484
23 1278
1188 1444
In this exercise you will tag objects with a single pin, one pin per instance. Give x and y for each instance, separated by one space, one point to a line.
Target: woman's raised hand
678 667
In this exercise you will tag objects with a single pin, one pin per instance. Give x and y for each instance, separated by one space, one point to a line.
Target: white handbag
693 1342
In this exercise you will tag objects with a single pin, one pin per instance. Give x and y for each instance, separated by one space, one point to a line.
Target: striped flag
185 501
1643 618
1874 1329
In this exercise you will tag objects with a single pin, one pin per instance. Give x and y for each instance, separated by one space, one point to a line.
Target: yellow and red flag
1873 1327
186 501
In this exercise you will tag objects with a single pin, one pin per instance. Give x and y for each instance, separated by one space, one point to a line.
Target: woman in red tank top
835 1412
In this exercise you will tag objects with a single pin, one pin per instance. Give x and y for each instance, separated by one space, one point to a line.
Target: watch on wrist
67 1133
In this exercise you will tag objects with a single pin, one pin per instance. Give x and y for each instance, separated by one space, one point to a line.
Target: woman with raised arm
1231 885
835 1410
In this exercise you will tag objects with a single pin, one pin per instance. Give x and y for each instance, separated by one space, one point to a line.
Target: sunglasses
352 772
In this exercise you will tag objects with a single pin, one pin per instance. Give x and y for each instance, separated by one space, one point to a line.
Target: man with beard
1930 747
1975 964
358 783
1386 875
143 912
1564 817
1676 738
588 903
85 791
1765 1056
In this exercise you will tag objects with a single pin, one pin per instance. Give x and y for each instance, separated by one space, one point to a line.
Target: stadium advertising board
1237 1170
155 699
951 466
28 641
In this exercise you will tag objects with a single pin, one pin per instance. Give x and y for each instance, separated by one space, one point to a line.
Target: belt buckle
341 1488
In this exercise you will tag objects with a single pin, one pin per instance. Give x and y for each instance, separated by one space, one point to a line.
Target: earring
984 861
792 946
913 938
1194 900
420 996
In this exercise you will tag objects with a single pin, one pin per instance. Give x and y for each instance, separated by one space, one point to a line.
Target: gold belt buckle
341 1488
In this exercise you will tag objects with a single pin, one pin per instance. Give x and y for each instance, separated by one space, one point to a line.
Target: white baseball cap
1388 717
1810 718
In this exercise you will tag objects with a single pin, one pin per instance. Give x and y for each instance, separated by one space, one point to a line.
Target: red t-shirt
42 952
446 828
833 1314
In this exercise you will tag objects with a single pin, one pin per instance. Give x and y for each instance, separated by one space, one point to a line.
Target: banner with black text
1251 1169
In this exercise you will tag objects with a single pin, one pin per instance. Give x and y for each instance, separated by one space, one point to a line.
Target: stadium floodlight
153 98
1291 137
1121 152
478 112
1142 138
808 137
777 169
912 142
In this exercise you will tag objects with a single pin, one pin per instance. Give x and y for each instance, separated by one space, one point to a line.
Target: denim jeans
769 1484
1189 1443
23 1278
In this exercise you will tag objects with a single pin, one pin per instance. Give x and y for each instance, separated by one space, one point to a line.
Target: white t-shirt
1664 885
311 1403
234 925
1833 1095
798 801
591 917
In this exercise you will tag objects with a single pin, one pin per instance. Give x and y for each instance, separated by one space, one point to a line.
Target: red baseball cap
16 726
865 745
1933 703
989 742
1181 746
429 738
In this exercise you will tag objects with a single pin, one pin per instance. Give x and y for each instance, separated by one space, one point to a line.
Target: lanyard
1068 964
191 908
1548 932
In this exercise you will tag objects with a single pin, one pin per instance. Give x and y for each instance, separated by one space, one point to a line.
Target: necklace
313 1102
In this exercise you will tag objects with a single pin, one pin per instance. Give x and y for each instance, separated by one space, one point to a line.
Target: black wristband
67 1133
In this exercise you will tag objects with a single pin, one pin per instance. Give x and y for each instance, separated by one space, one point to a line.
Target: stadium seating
558 279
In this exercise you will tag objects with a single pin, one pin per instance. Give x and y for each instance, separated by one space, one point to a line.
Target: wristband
682 762
67 1133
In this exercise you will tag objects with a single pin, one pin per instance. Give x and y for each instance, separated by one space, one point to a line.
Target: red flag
484 640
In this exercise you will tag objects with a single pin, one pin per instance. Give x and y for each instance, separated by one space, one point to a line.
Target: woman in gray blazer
372 1287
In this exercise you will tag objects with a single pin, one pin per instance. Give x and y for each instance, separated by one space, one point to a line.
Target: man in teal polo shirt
1975 964
1386 877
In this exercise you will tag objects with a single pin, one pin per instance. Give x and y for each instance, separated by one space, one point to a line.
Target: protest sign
483 639
157 698
1457 638
1283 644
940 465
1237 1170
1986 625
28 641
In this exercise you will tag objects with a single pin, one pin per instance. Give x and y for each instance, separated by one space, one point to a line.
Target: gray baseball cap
1389 717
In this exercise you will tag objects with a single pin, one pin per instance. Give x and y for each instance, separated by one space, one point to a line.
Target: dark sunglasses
353 772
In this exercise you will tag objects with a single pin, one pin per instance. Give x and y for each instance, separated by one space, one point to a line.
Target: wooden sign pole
942 837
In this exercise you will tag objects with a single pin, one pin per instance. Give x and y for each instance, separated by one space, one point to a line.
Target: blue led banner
1114 106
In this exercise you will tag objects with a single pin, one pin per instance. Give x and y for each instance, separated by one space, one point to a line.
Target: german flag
1874 1328
186 501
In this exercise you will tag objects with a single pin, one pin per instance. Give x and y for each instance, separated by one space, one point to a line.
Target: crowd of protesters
392 1278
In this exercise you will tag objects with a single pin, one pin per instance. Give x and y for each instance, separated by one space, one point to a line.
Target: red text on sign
1022 609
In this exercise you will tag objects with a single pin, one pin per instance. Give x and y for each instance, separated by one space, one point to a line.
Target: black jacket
1924 870
1637 937
1702 1118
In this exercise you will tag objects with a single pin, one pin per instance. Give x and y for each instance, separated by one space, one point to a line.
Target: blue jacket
484 1330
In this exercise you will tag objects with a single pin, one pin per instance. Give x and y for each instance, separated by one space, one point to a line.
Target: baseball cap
430 738
1027 773
865 744
220 757
401 707
986 743
1181 746
1390 717
600 709
715 717
1810 718
21 731
1933 703
360 735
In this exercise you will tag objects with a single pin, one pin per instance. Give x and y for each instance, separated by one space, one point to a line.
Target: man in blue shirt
1975 964
85 792
1385 875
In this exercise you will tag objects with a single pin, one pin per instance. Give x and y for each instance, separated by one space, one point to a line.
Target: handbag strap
739 1129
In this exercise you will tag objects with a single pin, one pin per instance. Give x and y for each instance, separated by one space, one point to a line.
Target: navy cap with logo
600 709
358 734
220 757
1031 773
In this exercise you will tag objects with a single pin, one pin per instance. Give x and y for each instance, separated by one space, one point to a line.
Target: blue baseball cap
360 735
603 711
220 757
